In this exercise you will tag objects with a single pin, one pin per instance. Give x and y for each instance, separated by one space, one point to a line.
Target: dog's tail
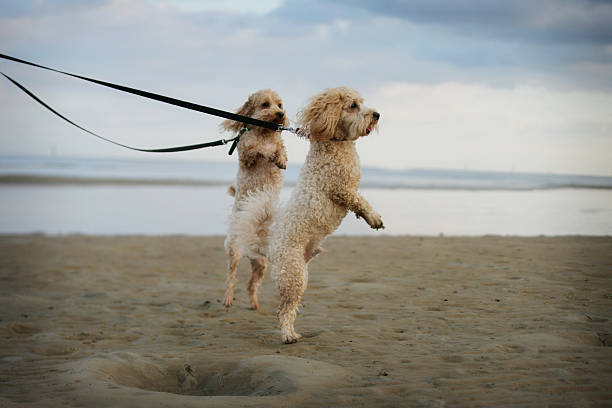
250 223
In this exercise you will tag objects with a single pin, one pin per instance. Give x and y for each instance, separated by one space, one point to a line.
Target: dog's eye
354 105
265 105
280 105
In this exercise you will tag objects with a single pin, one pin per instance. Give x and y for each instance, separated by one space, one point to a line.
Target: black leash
164 150
157 97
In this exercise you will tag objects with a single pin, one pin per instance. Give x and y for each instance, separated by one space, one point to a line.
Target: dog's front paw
281 164
279 160
250 161
374 220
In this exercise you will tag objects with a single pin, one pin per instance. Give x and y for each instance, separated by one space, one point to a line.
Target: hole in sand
199 379
236 381
254 377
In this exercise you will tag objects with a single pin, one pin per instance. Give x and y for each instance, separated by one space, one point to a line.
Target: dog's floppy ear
245 110
323 115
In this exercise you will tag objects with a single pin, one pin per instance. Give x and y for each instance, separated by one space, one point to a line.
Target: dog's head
338 114
263 105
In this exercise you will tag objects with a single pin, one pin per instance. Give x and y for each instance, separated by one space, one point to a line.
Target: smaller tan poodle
325 192
262 157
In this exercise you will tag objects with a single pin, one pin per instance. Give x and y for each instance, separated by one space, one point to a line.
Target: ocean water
190 172
63 196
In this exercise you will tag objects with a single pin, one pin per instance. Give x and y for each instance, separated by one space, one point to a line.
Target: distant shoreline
116 172
29 179
111 181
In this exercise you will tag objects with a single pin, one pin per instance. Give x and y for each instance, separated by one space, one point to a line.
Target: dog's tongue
368 130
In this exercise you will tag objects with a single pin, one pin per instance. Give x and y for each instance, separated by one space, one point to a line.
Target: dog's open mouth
368 130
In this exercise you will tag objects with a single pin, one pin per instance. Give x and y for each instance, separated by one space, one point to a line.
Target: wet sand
387 322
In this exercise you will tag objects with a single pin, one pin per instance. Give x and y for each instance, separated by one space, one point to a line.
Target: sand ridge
389 321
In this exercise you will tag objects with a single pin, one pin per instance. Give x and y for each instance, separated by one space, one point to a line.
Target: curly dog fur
325 192
262 157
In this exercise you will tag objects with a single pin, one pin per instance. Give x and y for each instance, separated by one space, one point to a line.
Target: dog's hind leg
258 267
312 249
291 281
234 260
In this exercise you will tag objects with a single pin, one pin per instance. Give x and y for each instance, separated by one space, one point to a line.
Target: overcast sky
480 84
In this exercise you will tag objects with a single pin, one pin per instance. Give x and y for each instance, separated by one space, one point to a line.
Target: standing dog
325 192
262 157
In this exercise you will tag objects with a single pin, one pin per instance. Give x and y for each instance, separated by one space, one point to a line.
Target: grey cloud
20 8
302 43
547 21
469 39
318 11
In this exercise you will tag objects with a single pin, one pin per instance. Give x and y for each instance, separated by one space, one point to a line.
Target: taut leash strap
160 98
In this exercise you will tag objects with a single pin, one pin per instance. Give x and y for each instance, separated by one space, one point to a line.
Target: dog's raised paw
278 160
374 220
251 160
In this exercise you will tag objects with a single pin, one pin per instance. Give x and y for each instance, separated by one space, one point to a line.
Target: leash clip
303 132
289 129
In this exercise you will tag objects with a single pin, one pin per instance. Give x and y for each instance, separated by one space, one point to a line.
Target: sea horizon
32 169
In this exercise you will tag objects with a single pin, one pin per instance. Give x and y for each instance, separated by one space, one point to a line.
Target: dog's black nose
376 115
280 115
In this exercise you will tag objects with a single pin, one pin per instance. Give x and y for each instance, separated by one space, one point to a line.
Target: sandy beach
93 321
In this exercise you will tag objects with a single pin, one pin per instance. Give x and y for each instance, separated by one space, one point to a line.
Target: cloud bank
468 83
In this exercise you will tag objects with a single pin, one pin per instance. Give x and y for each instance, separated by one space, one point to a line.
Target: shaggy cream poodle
262 156
325 192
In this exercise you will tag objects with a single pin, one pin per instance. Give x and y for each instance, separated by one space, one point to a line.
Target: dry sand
405 321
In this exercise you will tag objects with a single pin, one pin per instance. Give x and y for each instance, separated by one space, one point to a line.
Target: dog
326 190
262 157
